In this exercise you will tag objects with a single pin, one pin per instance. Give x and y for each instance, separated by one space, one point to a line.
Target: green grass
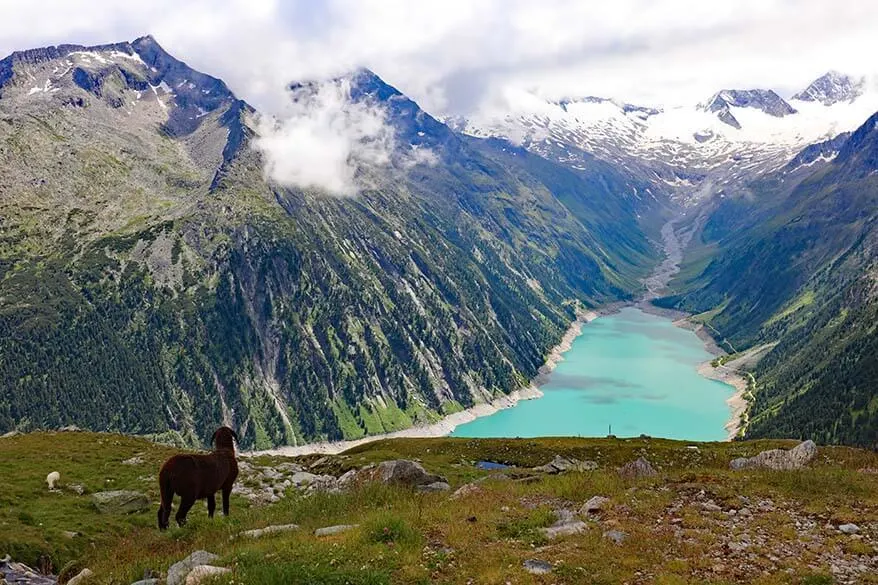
411 537
804 300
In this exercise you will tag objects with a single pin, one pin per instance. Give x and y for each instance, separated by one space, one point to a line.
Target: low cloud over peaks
323 138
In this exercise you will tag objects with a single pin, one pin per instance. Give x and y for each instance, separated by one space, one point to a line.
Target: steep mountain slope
153 281
692 152
794 260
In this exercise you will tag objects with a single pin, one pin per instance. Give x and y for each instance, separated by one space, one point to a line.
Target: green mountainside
794 260
152 281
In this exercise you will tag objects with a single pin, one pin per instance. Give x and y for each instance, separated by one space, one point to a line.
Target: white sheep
52 478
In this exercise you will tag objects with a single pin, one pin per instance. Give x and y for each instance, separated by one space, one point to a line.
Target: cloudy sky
455 55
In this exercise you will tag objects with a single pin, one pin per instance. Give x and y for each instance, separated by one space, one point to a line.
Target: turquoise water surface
634 371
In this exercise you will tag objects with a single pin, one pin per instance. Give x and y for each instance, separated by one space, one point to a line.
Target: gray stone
303 478
178 571
778 459
120 502
637 469
849 528
594 505
561 464
10 434
536 567
348 478
436 486
405 472
466 490
330 530
565 525
616 536
146 582
711 507
136 460
202 572
260 532
21 574
83 576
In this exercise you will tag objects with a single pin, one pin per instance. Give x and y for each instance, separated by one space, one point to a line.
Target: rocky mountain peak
831 88
765 100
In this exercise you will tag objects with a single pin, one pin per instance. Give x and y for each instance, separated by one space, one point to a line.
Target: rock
348 478
146 582
536 567
260 532
52 479
21 574
322 461
303 478
202 572
75 488
594 505
178 572
561 464
120 502
616 536
711 507
70 429
466 490
436 486
70 534
565 525
10 434
405 472
330 530
849 528
637 469
81 577
778 459
136 460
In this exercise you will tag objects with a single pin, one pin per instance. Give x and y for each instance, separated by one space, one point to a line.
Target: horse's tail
166 489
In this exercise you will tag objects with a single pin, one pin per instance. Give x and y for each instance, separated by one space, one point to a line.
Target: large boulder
120 502
405 472
779 459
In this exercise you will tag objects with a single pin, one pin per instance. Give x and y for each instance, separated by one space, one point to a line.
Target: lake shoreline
447 424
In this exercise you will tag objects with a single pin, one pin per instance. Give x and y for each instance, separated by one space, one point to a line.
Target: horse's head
223 438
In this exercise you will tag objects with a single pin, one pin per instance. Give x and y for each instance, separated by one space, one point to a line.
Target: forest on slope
793 259
153 281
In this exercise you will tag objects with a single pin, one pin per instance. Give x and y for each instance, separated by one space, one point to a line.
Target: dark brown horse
199 477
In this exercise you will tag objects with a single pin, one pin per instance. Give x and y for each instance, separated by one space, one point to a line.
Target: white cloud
456 56
323 138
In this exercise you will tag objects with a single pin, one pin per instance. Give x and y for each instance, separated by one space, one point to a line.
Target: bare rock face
779 459
637 469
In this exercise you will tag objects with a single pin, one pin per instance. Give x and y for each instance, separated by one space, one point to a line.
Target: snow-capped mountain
832 88
693 150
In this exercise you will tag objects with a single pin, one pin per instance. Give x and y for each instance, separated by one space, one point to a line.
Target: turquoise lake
632 370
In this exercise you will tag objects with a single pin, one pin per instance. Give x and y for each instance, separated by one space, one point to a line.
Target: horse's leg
185 505
227 490
211 505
